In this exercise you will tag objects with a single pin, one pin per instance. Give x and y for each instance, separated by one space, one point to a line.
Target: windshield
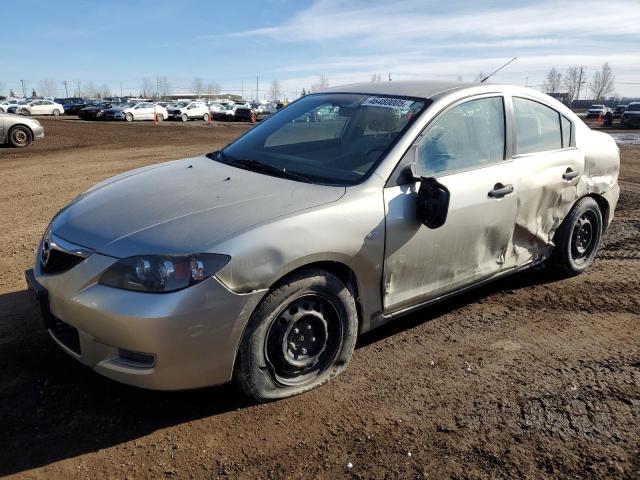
331 138
634 107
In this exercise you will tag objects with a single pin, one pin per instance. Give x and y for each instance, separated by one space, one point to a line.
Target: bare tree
104 91
213 88
147 87
603 82
274 90
479 77
165 86
571 81
197 85
322 84
90 89
553 81
48 87
376 77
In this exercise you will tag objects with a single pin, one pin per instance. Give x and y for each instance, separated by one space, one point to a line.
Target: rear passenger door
548 169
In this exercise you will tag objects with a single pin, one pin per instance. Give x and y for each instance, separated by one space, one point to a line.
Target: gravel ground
528 377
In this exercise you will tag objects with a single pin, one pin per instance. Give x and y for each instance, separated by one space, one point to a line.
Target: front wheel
56 112
205 117
185 117
159 117
578 238
129 117
301 335
20 136
25 112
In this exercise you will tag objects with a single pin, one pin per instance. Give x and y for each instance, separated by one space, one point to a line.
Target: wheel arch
339 269
14 126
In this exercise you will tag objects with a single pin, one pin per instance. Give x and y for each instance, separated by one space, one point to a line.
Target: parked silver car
262 262
19 131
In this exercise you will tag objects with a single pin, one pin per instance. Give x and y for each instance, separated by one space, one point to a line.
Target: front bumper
191 335
38 131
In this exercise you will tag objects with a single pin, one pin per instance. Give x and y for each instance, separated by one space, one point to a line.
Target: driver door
465 150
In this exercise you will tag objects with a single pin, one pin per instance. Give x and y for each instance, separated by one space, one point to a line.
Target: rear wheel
20 136
578 238
129 117
301 335
205 117
159 117
25 112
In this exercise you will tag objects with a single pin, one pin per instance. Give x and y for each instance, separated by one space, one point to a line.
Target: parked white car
142 111
37 107
193 110
5 104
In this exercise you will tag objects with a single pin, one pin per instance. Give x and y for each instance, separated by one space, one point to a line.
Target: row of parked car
139 109
629 115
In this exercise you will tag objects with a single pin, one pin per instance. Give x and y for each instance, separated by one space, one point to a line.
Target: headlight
162 273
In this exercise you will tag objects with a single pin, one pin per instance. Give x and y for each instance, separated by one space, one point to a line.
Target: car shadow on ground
54 408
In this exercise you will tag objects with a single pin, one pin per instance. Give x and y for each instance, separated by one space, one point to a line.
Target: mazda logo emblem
46 250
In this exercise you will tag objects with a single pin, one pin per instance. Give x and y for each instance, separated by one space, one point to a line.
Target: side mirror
432 203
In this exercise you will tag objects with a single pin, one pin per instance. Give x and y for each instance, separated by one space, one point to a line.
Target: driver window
470 135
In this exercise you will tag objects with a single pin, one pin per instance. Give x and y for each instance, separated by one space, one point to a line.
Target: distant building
561 97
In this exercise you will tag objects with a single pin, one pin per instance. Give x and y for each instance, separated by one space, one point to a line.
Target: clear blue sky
121 42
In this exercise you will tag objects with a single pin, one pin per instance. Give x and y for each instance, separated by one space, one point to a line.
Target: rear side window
537 127
566 132
470 135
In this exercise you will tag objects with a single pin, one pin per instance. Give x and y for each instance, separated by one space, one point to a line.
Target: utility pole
389 76
79 88
157 86
24 90
579 83
66 90
120 89
526 82
242 89
257 98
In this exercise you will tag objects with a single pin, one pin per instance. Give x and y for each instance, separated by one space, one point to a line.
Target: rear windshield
331 138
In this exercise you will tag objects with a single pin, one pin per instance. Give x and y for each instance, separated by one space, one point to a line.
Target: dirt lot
528 377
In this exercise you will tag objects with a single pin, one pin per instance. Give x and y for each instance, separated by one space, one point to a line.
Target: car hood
185 206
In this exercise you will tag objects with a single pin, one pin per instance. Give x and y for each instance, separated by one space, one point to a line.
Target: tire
205 117
159 117
274 358
129 117
20 136
25 112
56 112
578 238
185 117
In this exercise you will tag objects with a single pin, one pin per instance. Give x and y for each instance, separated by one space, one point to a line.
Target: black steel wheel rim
584 237
303 339
20 136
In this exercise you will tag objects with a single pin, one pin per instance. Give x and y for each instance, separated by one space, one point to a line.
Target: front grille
60 261
66 335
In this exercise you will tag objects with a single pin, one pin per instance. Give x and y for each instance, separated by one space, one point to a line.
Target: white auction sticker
387 102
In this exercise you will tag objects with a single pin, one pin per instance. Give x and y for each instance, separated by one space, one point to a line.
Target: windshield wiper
256 166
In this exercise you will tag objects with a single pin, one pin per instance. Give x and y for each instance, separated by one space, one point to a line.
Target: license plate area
41 296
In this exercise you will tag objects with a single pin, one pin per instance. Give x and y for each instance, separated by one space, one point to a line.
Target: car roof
419 88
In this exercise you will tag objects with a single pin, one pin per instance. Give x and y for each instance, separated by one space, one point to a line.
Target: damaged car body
262 262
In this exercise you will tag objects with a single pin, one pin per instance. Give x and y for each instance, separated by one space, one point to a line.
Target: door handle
570 174
500 190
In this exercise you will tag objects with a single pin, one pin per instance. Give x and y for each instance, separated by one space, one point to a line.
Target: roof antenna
492 74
